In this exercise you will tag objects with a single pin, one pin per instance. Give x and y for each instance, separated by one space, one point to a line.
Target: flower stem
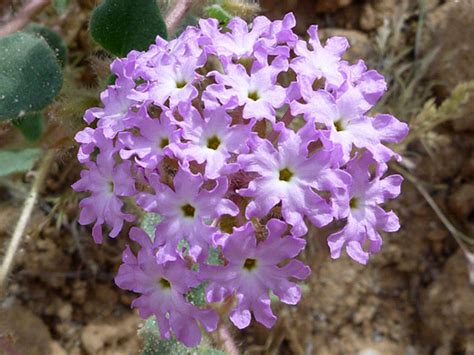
225 339
176 14
24 218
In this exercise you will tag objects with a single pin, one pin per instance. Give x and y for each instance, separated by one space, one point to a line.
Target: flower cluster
240 139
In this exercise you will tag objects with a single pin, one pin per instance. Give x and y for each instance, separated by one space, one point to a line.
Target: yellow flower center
213 143
250 264
285 174
188 210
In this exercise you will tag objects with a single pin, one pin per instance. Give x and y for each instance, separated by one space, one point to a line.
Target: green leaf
214 258
111 79
122 25
216 11
149 222
197 295
53 39
154 345
30 75
15 161
30 125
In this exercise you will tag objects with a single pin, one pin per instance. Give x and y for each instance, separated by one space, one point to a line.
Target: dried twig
24 16
24 218
176 14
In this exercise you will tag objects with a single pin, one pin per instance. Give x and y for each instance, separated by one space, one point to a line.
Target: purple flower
174 81
156 139
252 270
366 218
124 69
389 130
107 182
116 114
370 83
186 210
187 44
162 289
343 117
239 42
87 144
281 32
290 175
320 62
219 131
212 139
258 92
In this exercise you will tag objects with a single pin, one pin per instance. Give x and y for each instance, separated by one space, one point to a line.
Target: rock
368 21
322 6
449 28
447 307
468 169
316 6
57 349
106 294
306 11
383 347
375 11
65 311
462 201
79 292
25 333
450 159
361 47
345 18
111 335
464 124
108 297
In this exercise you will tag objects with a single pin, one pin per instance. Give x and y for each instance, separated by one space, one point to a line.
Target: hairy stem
176 14
24 218
24 16
225 340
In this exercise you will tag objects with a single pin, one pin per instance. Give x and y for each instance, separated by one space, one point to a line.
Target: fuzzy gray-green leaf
15 161
122 25
53 39
30 125
30 75
154 345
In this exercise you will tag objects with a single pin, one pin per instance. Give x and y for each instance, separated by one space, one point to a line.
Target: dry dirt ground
414 297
